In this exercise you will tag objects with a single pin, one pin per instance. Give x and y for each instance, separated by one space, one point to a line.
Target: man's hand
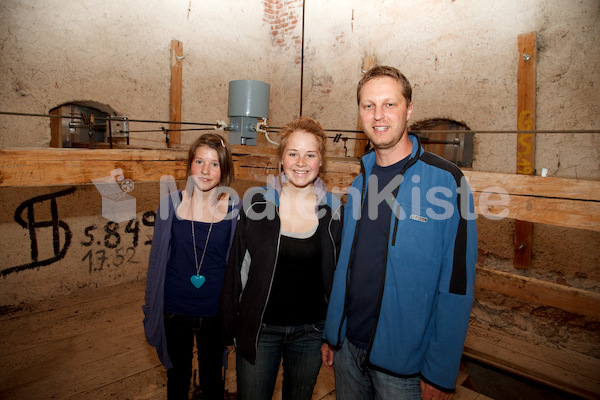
327 355
428 392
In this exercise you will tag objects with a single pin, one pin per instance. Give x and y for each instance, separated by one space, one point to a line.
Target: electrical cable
275 128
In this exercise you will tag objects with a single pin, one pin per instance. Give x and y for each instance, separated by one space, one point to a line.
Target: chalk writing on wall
30 223
110 245
114 249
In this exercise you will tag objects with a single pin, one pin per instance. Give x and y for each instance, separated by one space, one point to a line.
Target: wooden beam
576 301
359 145
241 150
564 369
526 90
571 214
556 201
49 167
534 186
176 93
55 128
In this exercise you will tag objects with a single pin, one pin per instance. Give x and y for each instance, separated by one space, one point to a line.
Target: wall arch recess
447 138
87 124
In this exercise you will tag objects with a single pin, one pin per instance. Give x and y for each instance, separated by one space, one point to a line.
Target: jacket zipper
262 314
362 200
332 245
410 162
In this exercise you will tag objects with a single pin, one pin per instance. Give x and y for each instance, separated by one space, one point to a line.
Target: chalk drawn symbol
25 216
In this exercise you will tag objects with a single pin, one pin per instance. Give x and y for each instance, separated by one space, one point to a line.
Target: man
403 288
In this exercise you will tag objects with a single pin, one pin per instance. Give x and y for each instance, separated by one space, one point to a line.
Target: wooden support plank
576 301
526 103
242 150
437 148
563 369
571 214
55 128
49 167
526 90
523 244
176 93
534 186
359 145
531 198
23 166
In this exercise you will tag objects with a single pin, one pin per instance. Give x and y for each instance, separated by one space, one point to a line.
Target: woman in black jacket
280 271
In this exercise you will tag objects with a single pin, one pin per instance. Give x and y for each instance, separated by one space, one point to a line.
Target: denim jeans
180 331
354 380
299 346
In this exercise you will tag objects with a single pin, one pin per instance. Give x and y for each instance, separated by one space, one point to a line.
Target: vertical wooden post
176 90
359 145
55 128
526 90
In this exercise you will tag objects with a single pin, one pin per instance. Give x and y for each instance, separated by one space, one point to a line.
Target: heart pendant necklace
197 279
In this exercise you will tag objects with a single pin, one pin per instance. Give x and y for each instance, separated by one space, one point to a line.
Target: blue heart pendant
197 280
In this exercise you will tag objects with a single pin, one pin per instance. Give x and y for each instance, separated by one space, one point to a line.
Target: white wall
461 58
460 55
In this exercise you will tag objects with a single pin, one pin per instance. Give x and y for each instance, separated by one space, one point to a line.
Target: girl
280 272
186 268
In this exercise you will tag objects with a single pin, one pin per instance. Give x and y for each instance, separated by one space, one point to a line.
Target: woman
280 272
186 269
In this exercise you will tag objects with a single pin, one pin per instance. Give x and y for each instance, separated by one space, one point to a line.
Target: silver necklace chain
199 266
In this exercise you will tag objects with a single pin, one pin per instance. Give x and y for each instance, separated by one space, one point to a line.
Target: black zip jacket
253 257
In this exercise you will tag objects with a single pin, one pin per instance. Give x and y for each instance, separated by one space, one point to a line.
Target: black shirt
368 262
297 295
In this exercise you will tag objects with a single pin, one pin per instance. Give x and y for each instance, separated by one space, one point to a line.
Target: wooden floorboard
90 345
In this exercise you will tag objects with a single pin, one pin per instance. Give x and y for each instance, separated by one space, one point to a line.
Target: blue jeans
355 380
299 346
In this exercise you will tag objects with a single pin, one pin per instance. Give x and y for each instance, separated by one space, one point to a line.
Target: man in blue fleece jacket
403 288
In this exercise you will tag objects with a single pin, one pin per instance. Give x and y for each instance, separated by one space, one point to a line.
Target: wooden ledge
563 369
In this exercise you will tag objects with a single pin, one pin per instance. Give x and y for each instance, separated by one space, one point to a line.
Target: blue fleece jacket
427 291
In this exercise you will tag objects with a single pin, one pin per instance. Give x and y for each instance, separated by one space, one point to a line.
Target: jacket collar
369 159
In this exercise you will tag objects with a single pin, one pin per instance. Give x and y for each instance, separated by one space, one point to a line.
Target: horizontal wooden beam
575 204
555 201
243 150
561 212
537 186
576 301
49 167
560 368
